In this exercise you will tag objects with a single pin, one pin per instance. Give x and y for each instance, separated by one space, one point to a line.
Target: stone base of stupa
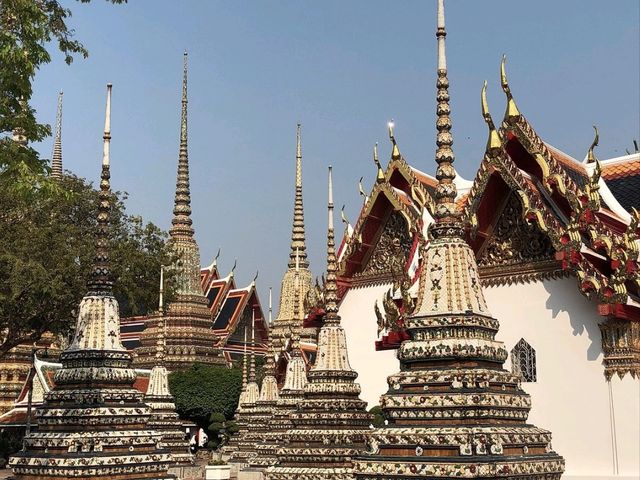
187 472
250 474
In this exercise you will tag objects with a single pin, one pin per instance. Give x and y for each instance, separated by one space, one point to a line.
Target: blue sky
342 69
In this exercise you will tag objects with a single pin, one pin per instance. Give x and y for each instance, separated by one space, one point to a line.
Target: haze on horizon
342 70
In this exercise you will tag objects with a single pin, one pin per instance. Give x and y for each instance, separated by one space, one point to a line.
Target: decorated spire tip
182 224
161 293
591 158
298 240
107 130
252 367
244 360
56 157
101 281
331 287
441 33
270 305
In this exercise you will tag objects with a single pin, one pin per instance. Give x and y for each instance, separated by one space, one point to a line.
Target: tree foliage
378 416
204 390
46 254
27 28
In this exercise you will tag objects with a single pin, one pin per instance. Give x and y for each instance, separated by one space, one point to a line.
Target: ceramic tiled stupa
164 418
290 397
453 411
263 420
243 446
94 423
331 424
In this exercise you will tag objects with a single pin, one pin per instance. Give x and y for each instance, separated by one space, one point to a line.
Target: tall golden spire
445 194
331 286
298 242
182 223
56 157
101 280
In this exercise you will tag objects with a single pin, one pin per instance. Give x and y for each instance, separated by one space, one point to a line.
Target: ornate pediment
390 252
516 251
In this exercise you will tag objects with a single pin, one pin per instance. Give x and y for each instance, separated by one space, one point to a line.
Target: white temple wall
360 325
570 396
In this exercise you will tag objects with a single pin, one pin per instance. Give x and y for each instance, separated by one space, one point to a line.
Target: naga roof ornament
94 423
453 411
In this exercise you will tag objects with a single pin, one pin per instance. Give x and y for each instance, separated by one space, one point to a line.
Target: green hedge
203 390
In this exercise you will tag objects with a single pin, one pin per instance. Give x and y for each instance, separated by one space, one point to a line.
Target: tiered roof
453 411
531 213
331 424
94 422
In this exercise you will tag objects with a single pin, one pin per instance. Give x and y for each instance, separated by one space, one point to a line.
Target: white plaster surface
570 397
360 325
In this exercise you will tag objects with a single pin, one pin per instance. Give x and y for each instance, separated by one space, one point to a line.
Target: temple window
523 361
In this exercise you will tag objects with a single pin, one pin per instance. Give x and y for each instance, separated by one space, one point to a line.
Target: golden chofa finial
512 109
494 144
590 155
376 160
395 152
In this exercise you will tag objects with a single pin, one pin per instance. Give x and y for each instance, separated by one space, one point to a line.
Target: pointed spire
56 157
445 173
270 305
161 341
298 241
331 287
181 222
252 368
101 281
244 362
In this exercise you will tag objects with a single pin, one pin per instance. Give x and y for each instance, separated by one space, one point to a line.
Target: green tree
203 390
220 429
378 416
46 254
27 28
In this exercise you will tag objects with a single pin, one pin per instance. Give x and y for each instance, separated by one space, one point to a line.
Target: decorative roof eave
566 240
400 202
247 294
